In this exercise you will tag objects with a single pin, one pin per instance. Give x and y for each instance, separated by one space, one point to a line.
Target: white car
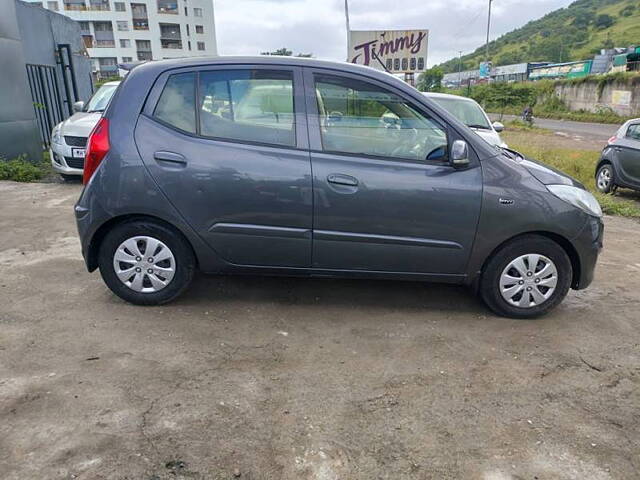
69 138
471 114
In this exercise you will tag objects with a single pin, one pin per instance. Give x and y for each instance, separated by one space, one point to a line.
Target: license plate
77 152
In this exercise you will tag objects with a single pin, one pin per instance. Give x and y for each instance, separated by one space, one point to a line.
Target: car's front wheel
526 278
146 263
605 178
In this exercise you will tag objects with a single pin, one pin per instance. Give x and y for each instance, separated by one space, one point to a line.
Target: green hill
573 33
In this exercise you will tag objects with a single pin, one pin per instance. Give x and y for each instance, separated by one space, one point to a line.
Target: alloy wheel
604 179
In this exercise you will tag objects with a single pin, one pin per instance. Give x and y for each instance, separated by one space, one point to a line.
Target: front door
385 197
228 146
628 153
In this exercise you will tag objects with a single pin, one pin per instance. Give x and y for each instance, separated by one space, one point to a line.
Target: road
305 379
599 132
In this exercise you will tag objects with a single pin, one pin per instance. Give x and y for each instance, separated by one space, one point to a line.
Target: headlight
577 197
55 135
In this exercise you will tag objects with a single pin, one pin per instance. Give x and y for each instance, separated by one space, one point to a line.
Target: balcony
171 44
139 24
104 44
88 41
170 31
139 11
100 5
168 6
75 5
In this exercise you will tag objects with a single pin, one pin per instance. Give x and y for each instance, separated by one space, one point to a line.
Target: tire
171 275
605 178
71 178
496 278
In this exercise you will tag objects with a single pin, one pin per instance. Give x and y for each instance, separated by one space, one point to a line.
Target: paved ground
597 132
305 379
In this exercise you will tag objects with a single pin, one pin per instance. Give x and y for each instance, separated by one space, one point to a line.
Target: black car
619 164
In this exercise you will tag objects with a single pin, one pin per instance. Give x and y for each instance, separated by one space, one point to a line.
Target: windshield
467 112
100 99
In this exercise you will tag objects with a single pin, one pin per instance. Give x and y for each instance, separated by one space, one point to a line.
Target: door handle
170 157
340 179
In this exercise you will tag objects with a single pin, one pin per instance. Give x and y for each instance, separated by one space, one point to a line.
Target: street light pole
460 69
346 16
488 29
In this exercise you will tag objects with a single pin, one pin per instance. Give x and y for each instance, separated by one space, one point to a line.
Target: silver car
69 138
469 112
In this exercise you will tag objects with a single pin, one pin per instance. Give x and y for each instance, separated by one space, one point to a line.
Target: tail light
97 148
612 139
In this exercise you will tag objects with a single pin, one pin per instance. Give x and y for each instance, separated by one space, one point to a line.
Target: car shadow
332 292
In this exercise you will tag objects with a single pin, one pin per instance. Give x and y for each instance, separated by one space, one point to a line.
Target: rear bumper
588 245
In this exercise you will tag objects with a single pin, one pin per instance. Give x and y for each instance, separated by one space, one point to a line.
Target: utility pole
346 16
460 69
488 29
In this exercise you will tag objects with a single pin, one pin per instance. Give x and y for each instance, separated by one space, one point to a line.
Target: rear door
385 197
628 153
228 146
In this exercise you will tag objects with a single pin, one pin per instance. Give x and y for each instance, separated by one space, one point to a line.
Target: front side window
360 118
248 105
176 105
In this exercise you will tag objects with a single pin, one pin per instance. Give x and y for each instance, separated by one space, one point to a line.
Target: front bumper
588 245
61 157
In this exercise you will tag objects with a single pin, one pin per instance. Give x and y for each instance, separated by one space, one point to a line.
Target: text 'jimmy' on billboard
398 51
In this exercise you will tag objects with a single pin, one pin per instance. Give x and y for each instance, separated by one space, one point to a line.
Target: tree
604 21
502 95
285 52
430 80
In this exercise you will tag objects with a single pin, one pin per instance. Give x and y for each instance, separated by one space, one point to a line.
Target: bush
21 170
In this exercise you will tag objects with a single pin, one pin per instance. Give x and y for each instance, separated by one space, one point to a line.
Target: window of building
52 6
84 27
125 43
189 44
176 105
168 6
199 29
197 12
360 118
119 6
188 33
186 11
127 59
123 25
200 45
247 105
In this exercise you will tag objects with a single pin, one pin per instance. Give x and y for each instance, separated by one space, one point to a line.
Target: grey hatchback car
302 167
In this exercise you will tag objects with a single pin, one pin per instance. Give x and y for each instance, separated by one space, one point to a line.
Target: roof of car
447 95
163 65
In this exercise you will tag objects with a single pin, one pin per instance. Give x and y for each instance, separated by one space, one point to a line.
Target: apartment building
121 31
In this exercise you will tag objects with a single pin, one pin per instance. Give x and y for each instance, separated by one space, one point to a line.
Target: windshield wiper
481 127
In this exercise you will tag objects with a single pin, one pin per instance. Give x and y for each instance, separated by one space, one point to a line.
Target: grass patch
520 126
581 164
21 170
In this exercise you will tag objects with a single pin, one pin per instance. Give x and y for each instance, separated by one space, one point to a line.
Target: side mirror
498 127
78 106
459 154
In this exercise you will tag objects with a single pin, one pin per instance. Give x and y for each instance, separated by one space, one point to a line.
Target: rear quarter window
176 105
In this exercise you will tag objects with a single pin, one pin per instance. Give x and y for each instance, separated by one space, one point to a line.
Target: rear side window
247 105
176 105
634 131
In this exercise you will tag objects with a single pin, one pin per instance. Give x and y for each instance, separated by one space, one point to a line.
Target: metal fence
53 102
47 99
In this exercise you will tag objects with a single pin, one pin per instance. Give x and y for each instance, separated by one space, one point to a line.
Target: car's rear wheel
146 263
605 178
526 278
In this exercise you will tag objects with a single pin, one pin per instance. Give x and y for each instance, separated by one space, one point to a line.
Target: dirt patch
277 378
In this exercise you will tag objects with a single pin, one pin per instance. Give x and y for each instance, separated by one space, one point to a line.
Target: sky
249 27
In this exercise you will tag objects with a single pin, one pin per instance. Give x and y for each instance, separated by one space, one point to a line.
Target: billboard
397 51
